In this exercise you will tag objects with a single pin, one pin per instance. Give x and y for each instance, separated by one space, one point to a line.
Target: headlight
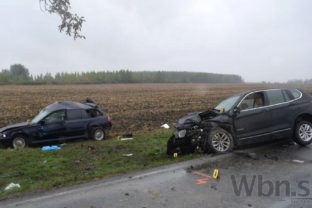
182 133
2 135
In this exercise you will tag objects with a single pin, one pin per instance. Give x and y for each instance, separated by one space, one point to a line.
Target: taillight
109 118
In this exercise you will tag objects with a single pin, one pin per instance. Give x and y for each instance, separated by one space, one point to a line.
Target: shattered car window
227 104
43 113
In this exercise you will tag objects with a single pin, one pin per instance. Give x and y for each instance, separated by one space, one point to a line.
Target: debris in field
12 186
77 161
91 148
165 126
127 194
128 155
127 135
298 161
173 188
45 161
88 168
49 148
126 139
271 157
11 175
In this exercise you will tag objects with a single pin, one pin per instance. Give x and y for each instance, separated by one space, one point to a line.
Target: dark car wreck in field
59 121
249 117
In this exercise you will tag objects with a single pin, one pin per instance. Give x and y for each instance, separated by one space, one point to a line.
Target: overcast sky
261 40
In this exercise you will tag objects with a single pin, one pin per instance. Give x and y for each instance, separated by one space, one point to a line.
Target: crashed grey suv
244 118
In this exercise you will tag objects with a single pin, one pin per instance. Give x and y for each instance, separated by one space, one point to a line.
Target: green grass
81 161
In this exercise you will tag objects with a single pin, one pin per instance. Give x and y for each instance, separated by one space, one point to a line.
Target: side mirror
236 110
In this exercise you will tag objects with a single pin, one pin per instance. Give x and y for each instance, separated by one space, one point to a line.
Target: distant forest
19 74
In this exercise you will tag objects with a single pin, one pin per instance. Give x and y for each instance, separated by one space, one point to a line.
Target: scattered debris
127 135
173 188
126 139
64 144
250 155
91 148
214 187
128 155
165 126
12 186
127 194
298 161
11 175
175 155
77 161
49 148
271 157
45 162
88 168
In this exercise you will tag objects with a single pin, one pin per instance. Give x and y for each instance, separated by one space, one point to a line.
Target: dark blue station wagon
58 122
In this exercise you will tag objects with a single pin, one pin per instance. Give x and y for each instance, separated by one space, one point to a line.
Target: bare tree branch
71 23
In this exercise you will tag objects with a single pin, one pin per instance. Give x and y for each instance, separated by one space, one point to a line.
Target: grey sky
262 40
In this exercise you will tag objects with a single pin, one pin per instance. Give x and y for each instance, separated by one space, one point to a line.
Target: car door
75 125
52 127
253 120
281 118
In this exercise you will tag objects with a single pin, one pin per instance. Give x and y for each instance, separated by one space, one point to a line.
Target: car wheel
218 141
303 133
98 134
19 141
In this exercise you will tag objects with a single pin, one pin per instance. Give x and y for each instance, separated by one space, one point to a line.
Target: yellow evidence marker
215 173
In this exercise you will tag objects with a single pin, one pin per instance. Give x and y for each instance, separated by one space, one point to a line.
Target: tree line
19 74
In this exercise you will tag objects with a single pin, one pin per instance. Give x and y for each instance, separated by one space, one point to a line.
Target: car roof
267 89
68 105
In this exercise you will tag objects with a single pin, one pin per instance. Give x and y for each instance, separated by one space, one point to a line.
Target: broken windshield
227 104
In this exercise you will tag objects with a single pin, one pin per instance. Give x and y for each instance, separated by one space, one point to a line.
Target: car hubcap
19 142
305 132
99 135
221 142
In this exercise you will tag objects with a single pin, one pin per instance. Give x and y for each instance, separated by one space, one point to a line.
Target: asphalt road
280 173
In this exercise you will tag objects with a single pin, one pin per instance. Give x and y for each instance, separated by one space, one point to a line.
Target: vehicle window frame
68 110
43 119
267 106
264 96
281 93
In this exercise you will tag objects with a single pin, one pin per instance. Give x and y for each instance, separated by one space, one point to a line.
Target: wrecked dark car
57 122
249 117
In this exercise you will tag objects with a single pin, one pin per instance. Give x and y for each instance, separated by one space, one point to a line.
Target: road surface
280 173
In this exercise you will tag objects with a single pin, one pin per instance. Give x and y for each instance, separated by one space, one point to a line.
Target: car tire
19 141
218 141
98 134
303 133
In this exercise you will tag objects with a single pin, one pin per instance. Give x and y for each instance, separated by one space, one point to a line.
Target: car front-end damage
191 130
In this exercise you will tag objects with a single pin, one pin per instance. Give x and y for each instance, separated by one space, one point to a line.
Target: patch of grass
81 161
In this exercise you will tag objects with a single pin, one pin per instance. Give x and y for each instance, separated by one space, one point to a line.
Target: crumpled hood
14 126
190 118
196 117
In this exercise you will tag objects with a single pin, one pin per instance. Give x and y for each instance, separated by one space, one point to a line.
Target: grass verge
82 161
